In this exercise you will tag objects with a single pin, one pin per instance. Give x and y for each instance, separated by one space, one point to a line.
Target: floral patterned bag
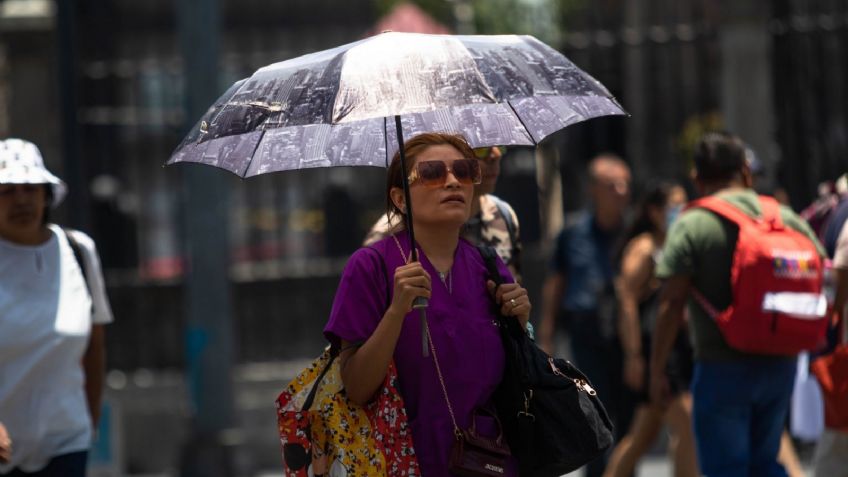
323 433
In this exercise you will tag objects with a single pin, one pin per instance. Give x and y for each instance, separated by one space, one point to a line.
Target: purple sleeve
361 299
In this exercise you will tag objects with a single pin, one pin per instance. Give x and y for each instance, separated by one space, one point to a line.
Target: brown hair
411 149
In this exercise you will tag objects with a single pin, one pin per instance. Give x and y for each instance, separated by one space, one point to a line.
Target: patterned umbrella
341 107
332 108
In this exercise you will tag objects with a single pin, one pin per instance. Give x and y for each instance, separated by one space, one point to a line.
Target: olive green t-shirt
700 245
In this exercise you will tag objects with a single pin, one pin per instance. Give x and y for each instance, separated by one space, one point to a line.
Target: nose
451 181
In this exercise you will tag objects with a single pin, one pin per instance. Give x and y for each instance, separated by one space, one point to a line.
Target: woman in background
637 290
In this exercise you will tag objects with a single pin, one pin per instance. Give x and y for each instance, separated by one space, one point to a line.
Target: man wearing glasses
493 221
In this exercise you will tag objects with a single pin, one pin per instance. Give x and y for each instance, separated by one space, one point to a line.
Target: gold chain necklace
446 277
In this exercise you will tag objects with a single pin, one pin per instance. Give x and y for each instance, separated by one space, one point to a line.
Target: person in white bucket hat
21 163
54 306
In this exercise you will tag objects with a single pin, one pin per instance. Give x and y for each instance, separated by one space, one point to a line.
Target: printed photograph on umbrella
340 107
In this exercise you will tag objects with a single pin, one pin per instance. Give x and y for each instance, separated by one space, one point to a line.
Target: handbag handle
490 259
312 392
473 429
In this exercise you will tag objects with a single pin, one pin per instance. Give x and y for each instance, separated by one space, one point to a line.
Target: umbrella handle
419 302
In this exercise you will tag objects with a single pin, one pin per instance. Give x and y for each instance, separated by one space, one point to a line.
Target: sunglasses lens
467 171
432 172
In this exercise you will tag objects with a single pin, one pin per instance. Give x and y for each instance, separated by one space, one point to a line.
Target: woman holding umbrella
373 321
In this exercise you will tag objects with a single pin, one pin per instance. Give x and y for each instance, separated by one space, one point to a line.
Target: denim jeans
739 409
65 465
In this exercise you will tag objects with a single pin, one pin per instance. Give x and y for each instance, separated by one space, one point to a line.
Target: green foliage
540 18
693 128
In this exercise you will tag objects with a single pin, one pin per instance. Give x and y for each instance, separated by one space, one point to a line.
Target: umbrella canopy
335 107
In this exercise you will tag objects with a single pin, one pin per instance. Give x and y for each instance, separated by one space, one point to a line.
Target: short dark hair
719 156
411 149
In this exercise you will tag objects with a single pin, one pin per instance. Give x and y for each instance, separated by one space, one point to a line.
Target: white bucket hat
21 163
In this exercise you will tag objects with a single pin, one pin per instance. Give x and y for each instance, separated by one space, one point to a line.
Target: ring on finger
512 302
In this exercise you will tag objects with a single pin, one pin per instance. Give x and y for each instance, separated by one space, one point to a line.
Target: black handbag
552 418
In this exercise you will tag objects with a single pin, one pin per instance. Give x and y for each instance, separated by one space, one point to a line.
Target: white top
45 322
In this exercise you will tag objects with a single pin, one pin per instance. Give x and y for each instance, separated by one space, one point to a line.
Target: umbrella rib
253 154
517 116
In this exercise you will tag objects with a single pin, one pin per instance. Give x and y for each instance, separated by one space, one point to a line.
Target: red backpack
778 306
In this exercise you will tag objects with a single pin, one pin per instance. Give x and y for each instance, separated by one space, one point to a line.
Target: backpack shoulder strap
724 209
490 259
78 254
771 211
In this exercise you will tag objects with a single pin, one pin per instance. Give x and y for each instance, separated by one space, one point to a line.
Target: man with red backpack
750 272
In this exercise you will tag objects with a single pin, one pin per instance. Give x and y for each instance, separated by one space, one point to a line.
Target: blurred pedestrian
787 455
373 322
579 293
638 290
831 457
821 211
51 329
5 445
740 399
493 222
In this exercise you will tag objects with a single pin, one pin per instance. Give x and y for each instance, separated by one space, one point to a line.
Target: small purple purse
474 455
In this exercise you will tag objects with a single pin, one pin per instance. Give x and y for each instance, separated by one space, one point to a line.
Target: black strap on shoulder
78 255
312 392
490 259
334 353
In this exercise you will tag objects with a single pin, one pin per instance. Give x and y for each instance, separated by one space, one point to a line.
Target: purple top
461 324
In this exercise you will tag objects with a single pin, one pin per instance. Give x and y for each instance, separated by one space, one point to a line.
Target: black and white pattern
336 107
21 163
